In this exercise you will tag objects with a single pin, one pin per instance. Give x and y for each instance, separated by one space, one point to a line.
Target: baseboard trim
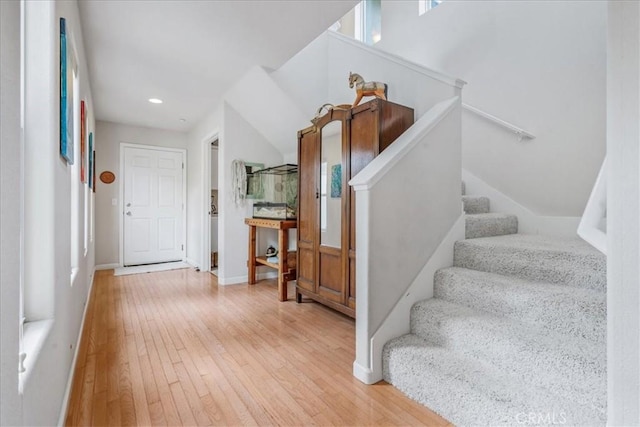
64 409
365 374
224 281
107 266
191 262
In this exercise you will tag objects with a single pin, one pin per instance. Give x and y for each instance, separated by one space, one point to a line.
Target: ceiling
188 53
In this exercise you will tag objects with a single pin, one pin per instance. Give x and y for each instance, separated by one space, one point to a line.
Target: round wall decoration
107 177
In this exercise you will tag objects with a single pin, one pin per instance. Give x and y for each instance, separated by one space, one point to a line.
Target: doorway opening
213 213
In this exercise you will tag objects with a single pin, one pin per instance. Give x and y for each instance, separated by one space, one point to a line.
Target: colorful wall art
66 95
336 180
83 144
92 172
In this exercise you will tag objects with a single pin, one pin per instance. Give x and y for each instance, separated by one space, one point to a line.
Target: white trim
382 164
398 321
107 266
364 374
67 392
243 279
205 255
436 75
513 128
121 194
35 335
192 263
595 213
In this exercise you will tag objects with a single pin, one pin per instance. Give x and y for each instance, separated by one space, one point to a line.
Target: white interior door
153 206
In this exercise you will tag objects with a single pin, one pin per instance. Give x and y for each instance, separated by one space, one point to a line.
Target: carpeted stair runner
515 333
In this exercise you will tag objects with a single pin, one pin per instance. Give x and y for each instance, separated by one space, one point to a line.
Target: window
427 5
75 176
363 22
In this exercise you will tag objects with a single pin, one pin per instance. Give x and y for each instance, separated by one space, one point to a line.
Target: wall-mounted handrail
513 128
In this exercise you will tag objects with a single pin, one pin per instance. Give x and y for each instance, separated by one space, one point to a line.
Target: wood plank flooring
174 348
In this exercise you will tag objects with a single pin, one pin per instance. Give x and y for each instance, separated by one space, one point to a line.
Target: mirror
331 184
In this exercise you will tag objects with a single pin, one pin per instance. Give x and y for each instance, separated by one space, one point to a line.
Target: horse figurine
377 89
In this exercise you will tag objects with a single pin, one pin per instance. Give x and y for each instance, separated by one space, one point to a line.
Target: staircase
515 333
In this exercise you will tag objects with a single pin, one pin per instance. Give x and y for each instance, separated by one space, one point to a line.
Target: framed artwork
83 145
66 95
91 171
94 170
254 182
336 181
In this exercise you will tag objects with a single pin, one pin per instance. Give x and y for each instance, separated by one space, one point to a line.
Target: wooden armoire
331 152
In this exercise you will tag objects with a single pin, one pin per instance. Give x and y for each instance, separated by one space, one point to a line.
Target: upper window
363 22
426 5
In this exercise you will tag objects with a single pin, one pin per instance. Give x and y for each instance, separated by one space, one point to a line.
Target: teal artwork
66 96
336 180
91 171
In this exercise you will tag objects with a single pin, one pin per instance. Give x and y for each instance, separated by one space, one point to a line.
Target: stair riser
432 377
475 205
576 372
575 312
578 270
489 227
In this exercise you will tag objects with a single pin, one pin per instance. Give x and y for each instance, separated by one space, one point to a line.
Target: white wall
239 141
539 65
623 214
10 170
45 381
319 74
108 137
198 143
420 175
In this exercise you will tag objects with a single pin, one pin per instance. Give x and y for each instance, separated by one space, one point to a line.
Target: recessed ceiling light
183 120
155 101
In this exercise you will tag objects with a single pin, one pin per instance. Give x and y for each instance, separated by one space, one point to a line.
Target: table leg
283 244
252 255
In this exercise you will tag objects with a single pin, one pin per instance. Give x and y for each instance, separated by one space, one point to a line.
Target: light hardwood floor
174 348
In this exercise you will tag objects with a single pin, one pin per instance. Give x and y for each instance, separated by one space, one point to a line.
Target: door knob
129 213
128 204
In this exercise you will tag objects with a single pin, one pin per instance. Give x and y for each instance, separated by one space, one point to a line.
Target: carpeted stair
515 333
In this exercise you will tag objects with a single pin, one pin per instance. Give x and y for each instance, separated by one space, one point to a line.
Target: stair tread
490 224
576 311
569 261
490 215
571 366
442 379
538 242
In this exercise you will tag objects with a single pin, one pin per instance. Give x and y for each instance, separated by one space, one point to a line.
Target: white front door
153 206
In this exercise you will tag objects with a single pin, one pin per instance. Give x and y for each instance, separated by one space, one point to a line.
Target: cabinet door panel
308 159
305 268
307 188
331 281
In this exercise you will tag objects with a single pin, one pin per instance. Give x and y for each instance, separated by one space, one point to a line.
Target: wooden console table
286 269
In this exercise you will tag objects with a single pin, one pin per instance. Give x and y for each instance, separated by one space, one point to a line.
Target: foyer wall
10 172
539 65
108 138
51 292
